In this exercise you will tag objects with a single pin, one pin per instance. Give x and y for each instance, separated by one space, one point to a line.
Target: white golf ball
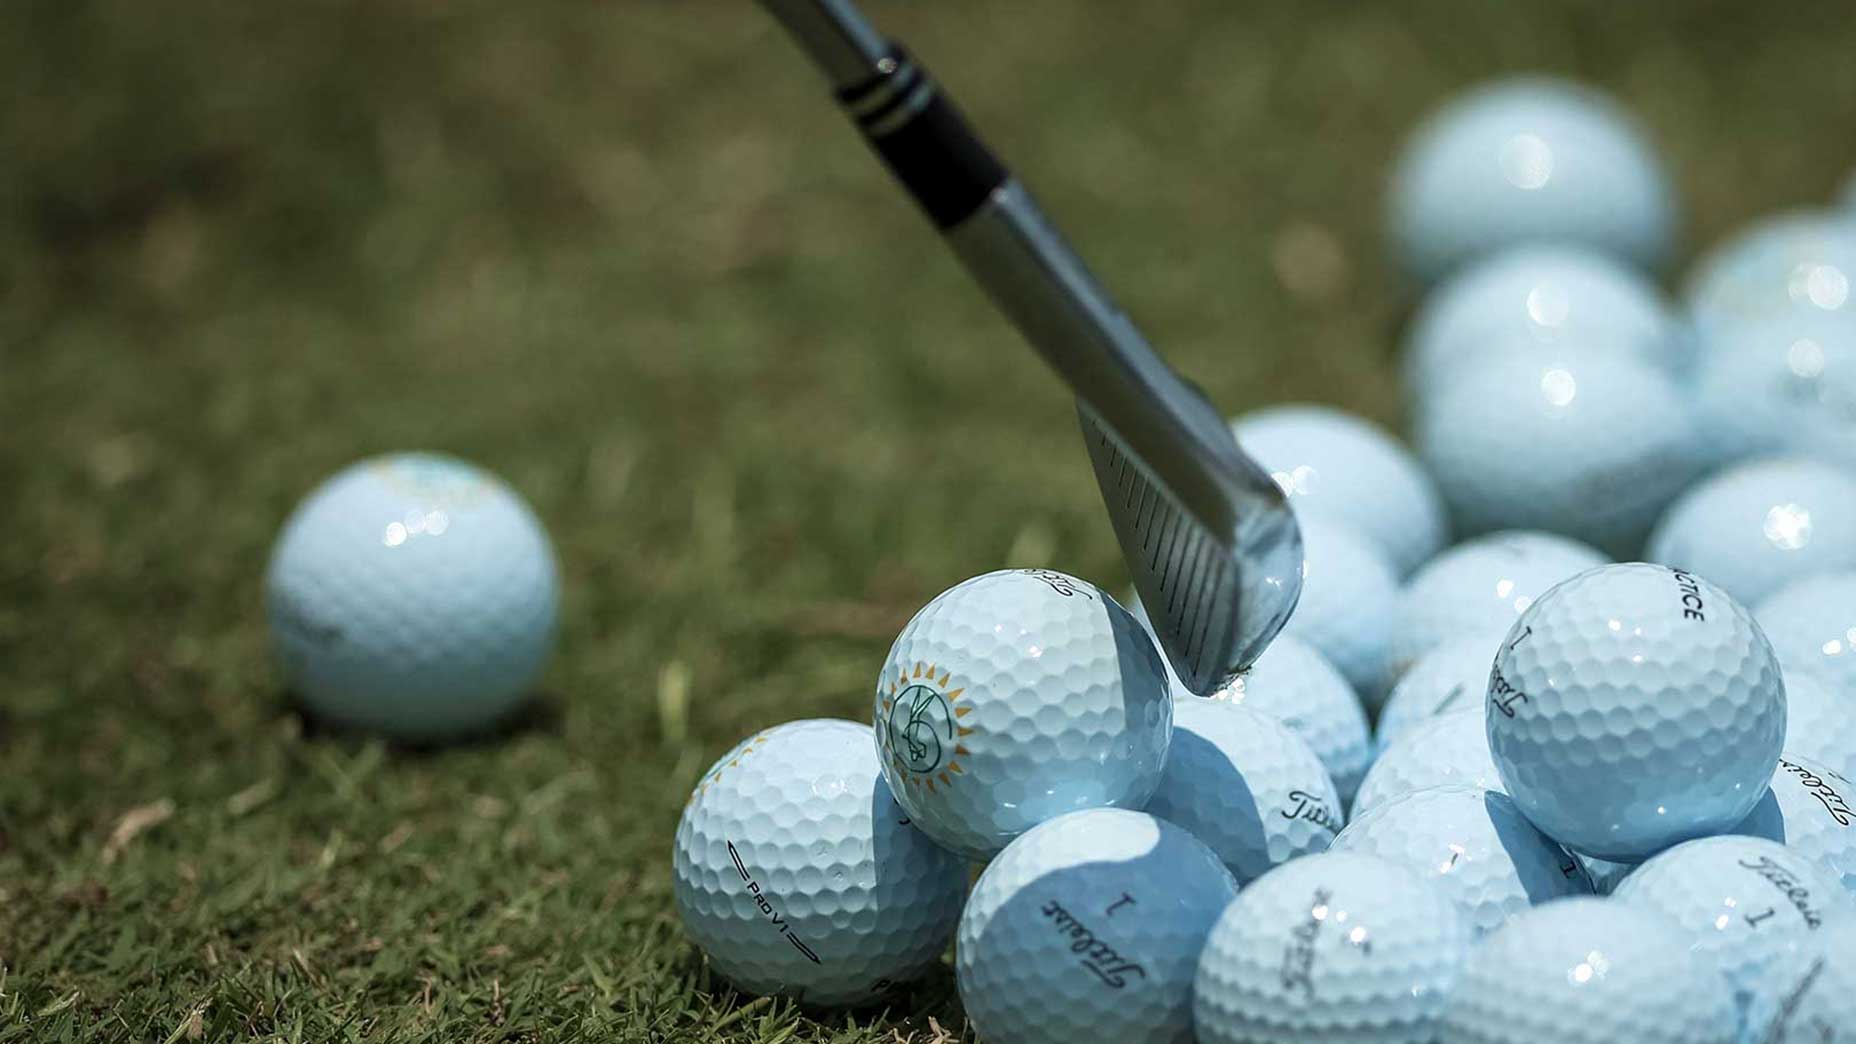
1589 970
1760 525
1811 809
1451 749
800 877
1088 928
1537 297
1529 160
1632 707
1818 1005
1337 947
412 595
1784 385
1746 904
1015 697
1452 677
1475 843
1582 442
1796 262
1480 585
1812 624
1820 720
1296 685
1246 785
1348 591
1332 462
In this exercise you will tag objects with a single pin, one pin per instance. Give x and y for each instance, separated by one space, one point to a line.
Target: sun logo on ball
920 729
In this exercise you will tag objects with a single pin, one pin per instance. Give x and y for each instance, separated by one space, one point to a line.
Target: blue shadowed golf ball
1757 526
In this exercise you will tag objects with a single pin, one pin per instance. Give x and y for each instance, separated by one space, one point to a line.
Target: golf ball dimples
1528 159
1480 585
1746 904
1451 677
1812 624
413 595
1582 442
1451 749
1784 385
1335 947
1796 262
1812 810
1820 1005
1754 527
1632 707
1348 590
1296 685
798 874
1017 696
1331 462
1537 296
1588 970
1088 928
1246 785
1820 721
1475 843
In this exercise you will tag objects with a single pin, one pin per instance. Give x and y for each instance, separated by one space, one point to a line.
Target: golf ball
1337 947
1759 525
1296 685
1453 748
1480 585
1015 697
1589 970
799 875
1535 297
1088 928
1812 624
1784 385
1246 785
1525 160
1795 262
1452 677
1475 843
1811 809
1820 721
1331 462
1632 707
412 595
1819 1004
1747 905
1582 442
1348 590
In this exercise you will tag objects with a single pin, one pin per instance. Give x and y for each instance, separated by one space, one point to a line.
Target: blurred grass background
626 255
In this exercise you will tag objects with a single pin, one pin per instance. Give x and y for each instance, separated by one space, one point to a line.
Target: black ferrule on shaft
924 140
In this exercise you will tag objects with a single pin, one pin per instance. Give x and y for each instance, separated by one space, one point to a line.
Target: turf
625 255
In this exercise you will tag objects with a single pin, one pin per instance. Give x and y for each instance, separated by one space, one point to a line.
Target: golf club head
1218 578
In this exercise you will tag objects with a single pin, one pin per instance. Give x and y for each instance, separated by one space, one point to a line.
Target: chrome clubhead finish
1209 538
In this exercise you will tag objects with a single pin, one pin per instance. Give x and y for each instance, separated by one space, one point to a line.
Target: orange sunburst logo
920 725
743 750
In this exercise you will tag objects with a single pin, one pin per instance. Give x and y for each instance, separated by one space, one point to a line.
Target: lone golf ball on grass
800 876
1015 697
1634 707
412 595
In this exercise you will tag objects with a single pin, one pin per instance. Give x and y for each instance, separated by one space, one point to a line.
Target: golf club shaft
1017 255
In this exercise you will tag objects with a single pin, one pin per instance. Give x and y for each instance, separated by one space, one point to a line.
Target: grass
625 255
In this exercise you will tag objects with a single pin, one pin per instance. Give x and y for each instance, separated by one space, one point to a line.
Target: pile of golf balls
1584 774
